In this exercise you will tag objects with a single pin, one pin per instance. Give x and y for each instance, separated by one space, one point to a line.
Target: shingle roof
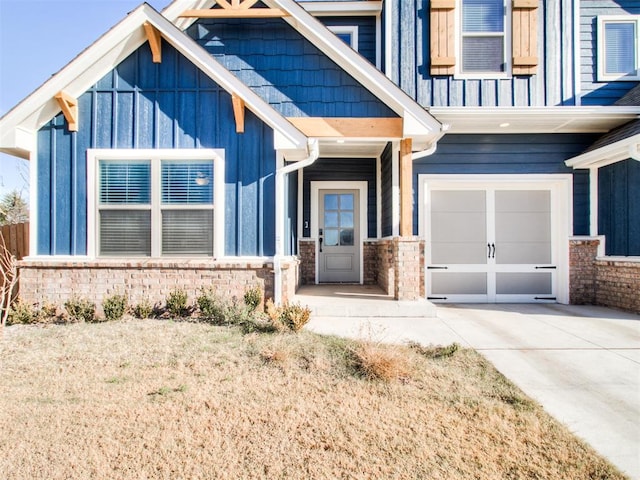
631 98
620 133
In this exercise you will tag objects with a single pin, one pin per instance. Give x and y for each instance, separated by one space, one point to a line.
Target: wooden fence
16 238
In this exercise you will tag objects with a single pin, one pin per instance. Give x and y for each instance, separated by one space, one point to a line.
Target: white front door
338 236
491 243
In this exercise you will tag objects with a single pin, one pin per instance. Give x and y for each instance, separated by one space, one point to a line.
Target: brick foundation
607 281
290 278
618 283
152 280
386 266
370 262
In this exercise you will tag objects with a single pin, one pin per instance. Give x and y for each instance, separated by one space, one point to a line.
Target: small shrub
253 298
288 317
435 352
177 303
81 310
114 307
381 362
23 313
144 309
211 306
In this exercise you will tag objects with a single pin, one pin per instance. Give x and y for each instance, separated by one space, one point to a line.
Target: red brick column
618 283
582 272
307 256
409 271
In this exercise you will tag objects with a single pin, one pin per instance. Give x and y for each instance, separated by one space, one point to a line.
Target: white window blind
123 182
483 36
125 233
620 48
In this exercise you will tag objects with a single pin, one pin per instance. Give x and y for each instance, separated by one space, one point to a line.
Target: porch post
406 184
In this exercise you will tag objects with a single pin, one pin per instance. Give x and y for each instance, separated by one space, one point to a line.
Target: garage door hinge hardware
437 268
552 267
544 298
436 298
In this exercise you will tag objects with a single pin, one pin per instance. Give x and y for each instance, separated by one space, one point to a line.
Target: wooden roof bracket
155 42
236 9
238 112
69 106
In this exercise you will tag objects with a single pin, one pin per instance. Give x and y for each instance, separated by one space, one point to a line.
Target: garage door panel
458 201
462 283
522 227
524 283
525 253
459 226
521 201
459 253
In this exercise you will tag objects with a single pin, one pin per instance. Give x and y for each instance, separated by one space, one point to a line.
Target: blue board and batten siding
596 92
145 105
286 69
386 173
512 154
552 85
619 207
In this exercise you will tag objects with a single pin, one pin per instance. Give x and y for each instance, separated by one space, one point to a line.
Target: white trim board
362 187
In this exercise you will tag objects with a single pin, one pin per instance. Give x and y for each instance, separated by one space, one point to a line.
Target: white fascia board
104 55
590 119
337 9
355 65
607 155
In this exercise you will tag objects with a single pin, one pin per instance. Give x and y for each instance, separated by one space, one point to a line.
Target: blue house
453 150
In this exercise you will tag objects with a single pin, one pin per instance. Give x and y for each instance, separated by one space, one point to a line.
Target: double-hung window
619 47
156 203
483 37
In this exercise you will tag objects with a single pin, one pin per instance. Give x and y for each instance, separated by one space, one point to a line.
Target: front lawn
138 399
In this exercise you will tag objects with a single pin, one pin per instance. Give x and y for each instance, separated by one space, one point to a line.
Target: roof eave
607 155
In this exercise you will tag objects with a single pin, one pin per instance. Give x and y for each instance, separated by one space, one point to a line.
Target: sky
37 39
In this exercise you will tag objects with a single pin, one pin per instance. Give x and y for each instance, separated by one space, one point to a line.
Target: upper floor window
483 36
347 33
618 48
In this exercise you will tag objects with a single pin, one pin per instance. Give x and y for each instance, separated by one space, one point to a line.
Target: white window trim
601 53
508 35
348 29
95 155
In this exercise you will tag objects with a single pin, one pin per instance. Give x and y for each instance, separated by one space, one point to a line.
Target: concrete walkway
581 363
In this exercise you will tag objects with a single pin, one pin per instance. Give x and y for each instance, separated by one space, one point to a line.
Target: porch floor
345 300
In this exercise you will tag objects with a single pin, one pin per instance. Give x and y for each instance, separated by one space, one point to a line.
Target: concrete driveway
581 363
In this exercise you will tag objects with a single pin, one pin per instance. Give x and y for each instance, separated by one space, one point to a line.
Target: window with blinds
618 52
483 36
155 207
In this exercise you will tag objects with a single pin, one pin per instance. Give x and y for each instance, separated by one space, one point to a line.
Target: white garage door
491 242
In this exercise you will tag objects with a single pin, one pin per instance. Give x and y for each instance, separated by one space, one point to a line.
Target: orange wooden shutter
524 18
442 45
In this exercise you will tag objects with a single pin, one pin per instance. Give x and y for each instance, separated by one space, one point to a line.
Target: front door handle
493 254
320 244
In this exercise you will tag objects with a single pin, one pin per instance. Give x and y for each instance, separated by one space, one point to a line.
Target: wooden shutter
524 17
442 45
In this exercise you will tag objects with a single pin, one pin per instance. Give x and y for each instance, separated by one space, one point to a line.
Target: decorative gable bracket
236 9
69 106
238 112
155 42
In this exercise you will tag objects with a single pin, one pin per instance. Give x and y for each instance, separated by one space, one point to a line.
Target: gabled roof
418 123
19 126
619 144
631 98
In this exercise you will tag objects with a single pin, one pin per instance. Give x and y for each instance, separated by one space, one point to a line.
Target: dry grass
159 399
381 362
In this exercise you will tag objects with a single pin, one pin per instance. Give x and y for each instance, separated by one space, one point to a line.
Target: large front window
152 206
483 40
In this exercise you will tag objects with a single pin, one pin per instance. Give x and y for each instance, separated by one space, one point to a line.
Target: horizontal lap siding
619 207
285 69
145 105
340 170
552 84
593 91
511 154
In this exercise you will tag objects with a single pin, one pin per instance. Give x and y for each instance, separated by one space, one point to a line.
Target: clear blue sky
37 39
